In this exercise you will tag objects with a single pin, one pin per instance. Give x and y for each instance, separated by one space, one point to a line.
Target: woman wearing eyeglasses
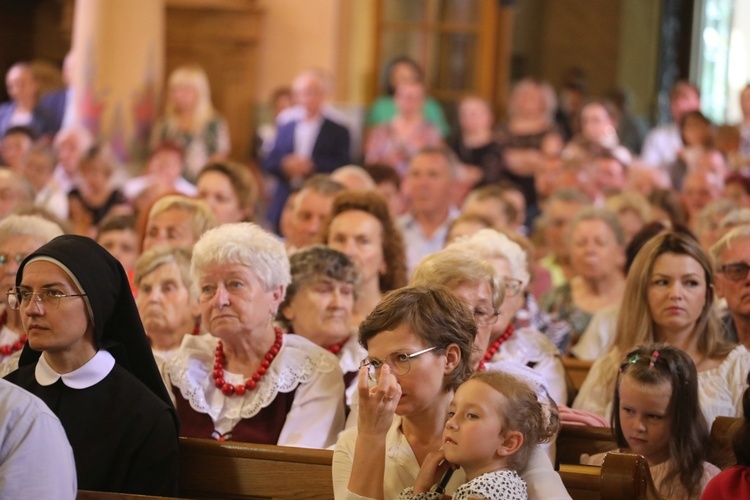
525 346
89 360
246 380
669 297
419 341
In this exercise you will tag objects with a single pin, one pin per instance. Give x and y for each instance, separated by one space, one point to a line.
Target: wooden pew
722 431
576 371
573 440
213 469
621 476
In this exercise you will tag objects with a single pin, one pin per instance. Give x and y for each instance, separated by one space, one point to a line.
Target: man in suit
307 145
22 109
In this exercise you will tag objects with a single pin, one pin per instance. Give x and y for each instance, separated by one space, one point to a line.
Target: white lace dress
317 412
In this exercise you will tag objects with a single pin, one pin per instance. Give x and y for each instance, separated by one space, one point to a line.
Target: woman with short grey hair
245 380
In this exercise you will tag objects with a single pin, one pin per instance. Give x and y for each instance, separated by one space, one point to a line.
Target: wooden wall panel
581 33
222 36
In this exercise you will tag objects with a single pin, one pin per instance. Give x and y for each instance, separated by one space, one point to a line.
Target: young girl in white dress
494 422
656 414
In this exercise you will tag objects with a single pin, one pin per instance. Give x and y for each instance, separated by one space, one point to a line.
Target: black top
124 437
490 158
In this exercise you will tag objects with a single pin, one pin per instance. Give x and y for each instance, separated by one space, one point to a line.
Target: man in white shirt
36 460
429 183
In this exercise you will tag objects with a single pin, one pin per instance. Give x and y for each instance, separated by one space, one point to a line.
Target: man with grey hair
312 143
430 178
731 260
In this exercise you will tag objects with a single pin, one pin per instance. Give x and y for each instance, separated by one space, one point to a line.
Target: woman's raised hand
377 404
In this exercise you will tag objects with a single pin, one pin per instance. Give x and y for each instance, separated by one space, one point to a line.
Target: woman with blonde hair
669 297
191 121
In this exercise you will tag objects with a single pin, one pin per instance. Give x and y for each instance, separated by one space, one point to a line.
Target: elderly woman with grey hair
596 244
19 236
167 300
524 346
319 304
245 380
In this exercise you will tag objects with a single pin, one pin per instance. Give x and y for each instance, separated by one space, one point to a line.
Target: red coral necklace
239 390
8 349
492 349
336 348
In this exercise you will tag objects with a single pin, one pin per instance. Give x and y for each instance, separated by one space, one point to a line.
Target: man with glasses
731 258
19 236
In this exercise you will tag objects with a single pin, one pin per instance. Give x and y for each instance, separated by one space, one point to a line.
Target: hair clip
654 359
633 359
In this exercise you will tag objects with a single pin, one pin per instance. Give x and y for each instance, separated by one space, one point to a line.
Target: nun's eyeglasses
48 297
398 361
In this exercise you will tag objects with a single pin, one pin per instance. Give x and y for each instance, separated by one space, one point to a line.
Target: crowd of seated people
287 298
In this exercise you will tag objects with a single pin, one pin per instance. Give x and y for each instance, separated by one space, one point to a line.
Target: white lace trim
191 371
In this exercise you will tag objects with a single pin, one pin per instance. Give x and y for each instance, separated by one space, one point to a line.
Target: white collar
91 373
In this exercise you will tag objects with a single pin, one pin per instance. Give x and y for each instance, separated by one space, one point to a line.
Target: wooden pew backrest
576 371
573 440
722 432
622 476
211 469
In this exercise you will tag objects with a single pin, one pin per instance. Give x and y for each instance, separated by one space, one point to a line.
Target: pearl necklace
230 389
492 349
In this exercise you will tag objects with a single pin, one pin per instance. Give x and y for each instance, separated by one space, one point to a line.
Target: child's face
474 431
644 418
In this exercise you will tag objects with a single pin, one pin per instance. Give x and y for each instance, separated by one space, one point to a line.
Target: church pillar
118 70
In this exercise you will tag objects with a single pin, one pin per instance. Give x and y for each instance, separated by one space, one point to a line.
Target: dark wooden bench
722 431
621 476
213 469
574 440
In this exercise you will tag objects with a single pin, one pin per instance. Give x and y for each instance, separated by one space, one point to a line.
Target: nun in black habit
88 358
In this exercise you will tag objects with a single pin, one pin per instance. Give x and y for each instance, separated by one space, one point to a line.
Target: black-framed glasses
400 362
48 297
512 287
735 271
5 258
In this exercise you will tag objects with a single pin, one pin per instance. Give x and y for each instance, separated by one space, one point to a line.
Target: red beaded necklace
8 349
336 348
492 349
229 389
